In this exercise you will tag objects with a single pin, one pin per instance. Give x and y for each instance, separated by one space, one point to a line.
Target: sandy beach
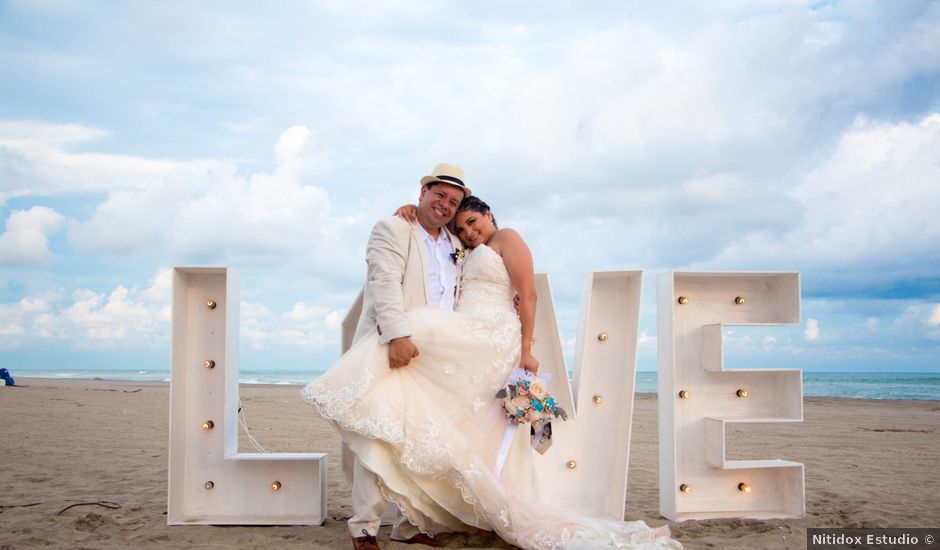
868 464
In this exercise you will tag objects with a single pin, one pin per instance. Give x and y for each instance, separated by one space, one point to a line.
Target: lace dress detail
431 431
486 299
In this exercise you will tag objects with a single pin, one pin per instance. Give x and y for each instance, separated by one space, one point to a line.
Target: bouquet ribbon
511 428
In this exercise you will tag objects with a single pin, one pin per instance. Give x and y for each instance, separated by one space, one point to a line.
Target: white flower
537 389
520 403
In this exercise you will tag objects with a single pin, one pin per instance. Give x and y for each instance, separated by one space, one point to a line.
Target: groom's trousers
369 504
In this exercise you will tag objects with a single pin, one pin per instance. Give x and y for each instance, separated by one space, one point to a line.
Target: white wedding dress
432 430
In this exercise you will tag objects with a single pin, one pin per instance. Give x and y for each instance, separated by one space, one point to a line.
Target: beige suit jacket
397 280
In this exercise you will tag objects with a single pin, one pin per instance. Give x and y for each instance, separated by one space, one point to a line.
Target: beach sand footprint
90 522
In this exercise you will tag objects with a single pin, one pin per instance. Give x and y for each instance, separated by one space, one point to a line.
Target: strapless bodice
485 286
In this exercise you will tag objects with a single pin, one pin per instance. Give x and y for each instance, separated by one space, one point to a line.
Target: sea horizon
850 385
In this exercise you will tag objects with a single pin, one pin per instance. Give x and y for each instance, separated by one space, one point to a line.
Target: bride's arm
518 260
408 212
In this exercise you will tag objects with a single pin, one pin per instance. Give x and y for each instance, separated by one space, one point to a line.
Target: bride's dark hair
475 204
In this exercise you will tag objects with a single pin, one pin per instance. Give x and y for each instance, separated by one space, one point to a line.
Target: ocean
852 385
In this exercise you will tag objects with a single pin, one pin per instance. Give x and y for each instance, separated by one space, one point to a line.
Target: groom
409 265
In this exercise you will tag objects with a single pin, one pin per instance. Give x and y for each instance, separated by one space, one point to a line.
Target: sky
716 136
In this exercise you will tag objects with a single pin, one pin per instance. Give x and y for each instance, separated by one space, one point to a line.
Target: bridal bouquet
525 398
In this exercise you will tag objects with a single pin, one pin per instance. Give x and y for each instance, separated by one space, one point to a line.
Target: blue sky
727 135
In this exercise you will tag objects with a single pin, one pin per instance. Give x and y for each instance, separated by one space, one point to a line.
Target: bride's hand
408 212
529 363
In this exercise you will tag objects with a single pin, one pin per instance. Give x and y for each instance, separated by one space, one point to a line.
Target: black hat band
451 179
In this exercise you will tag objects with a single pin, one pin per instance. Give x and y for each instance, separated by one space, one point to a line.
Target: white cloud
123 317
296 153
254 318
812 330
305 326
115 316
255 311
868 208
735 92
645 133
26 238
208 213
311 326
732 340
39 133
139 318
303 313
11 329
14 318
919 319
877 190
35 159
159 289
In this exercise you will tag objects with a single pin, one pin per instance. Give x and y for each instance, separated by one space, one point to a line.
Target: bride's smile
474 228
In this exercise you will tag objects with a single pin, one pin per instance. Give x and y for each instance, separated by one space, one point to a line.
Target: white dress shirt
442 272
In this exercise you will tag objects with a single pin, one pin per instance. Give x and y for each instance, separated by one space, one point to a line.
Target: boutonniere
459 256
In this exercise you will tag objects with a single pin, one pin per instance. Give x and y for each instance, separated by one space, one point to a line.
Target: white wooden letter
210 482
698 397
585 470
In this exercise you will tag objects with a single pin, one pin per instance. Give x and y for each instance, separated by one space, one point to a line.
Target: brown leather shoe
421 538
365 542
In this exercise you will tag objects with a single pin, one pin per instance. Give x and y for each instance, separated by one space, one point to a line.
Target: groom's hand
401 351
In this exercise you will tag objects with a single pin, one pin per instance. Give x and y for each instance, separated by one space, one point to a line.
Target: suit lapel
417 238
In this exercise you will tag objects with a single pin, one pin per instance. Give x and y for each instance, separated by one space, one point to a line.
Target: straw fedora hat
451 174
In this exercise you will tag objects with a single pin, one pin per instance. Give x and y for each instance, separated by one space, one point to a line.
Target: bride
432 430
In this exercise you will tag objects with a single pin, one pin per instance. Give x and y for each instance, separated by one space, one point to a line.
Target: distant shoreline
60 382
875 386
